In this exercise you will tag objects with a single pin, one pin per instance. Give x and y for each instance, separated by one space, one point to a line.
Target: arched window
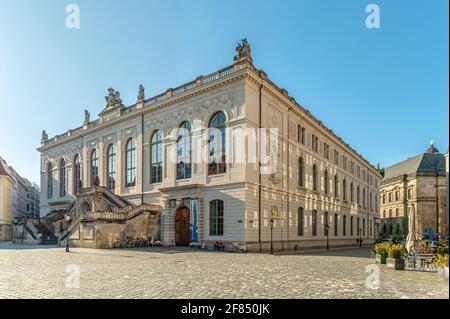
351 192
49 180
301 173
111 167
336 186
344 189
370 201
314 177
156 157
85 207
94 167
217 164
326 182
216 218
62 178
184 151
130 169
300 221
76 175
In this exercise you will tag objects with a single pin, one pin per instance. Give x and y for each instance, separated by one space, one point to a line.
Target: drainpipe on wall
142 158
288 184
259 166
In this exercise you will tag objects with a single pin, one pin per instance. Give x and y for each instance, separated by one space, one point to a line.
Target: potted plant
395 257
441 263
381 251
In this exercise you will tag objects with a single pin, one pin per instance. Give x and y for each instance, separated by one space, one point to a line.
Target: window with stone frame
217 142
314 223
62 178
216 218
300 221
130 169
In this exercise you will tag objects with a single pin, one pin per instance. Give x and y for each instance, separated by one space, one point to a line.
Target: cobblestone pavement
42 272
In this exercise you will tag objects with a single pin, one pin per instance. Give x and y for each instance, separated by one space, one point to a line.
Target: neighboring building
20 198
33 199
418 181
149 155
6 189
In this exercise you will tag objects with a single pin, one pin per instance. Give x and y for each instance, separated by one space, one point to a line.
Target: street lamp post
328 237
67 218
271 222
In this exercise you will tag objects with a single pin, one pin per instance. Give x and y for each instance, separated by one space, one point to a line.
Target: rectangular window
216 218
314 223
336 157
315 143
326 150
344 225
336 224
344 162
364 227
301 134
300 221
351 226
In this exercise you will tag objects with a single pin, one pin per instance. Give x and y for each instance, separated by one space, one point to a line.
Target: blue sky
384 91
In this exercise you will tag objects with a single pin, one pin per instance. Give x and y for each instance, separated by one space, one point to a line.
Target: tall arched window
130 169
94 167
344 189
217 163
156 157
111 167
336 186
76 175
351 192
62 178
326 181
184 151
49 180
314 177
216 218
301 173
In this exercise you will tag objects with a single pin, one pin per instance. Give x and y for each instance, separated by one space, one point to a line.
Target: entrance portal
182 226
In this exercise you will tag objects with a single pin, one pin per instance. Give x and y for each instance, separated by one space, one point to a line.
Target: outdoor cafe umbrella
412 240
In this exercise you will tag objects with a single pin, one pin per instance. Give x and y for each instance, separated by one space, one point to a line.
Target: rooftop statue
44 136
113 98
87 117
141 94
243 51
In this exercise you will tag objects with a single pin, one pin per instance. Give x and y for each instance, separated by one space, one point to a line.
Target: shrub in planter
441 263
395 254
381 251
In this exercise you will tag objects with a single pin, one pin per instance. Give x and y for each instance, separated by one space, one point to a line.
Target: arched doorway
182 218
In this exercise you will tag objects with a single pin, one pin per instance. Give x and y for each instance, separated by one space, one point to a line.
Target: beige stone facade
420 182
6 209
308 178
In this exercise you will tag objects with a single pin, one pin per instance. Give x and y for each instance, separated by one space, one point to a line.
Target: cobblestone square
49 272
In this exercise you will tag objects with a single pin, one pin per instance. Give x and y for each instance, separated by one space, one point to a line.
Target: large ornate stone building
419 181
196 155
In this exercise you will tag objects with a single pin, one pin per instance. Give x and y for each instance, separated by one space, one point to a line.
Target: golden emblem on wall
274 212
